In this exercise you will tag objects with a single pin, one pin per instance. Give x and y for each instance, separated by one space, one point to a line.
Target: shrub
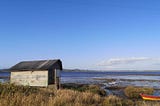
96 90
133 92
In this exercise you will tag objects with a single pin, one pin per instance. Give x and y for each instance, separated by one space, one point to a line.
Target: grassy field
91 95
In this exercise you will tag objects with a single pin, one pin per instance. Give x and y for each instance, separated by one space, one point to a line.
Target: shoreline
113 79
118 91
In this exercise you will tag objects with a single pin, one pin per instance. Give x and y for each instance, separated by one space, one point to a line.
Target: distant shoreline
87 70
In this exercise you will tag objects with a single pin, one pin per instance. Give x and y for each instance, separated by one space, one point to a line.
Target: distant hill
78 70
4 70
83 70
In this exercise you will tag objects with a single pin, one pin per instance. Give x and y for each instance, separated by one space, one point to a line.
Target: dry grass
28 96
12 95
112 101
60 98
84 87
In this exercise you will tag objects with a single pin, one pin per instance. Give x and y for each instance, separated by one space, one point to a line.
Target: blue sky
85 34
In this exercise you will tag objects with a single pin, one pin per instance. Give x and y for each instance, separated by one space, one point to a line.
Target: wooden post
59 80
55 79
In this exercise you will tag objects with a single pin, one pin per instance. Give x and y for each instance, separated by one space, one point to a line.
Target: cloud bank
118 61
142 63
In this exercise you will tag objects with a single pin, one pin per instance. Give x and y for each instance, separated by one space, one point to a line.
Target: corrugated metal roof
36 65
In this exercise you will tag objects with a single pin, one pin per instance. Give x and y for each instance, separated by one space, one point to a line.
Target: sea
145 79
109 78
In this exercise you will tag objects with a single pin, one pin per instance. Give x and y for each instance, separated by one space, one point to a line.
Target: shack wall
51 75
30 78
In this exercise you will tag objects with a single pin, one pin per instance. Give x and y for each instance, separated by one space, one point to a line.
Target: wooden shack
40 73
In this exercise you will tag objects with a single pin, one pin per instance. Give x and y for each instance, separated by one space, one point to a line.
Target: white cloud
118 61
131 63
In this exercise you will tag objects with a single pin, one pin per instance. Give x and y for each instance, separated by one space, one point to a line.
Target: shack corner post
57 79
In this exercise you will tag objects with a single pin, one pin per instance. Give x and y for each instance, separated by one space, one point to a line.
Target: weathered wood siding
51 77
30 78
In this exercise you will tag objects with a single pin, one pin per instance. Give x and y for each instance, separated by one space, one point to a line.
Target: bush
133 92
96 90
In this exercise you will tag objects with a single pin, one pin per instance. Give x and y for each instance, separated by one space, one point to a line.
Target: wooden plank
30 78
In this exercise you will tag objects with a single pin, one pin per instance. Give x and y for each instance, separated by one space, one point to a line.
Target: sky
84 34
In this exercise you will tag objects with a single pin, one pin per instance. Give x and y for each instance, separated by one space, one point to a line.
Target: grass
133 92
12 95
7 88
85 88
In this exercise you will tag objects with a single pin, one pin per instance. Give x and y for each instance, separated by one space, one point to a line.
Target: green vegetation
11 89
133 92
85 88
12 95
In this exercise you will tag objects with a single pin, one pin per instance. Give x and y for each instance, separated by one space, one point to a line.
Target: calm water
3 76
148 79
151 79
